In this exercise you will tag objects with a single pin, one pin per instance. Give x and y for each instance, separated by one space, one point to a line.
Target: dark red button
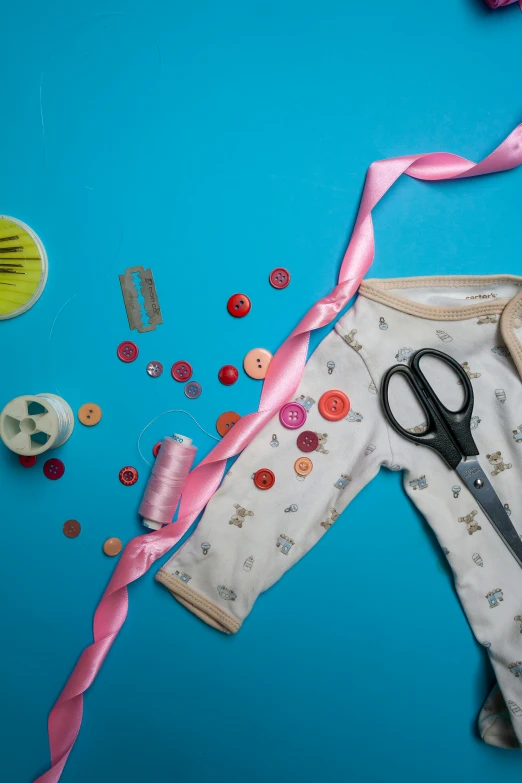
128 476
156 449
279 277
238 305
307 441
228 374
71 528
264 479
27 461
127 351
181 371
54 469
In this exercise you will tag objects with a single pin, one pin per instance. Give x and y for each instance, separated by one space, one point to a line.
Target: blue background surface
215 142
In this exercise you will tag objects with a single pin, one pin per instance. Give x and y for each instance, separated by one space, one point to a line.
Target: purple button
307 441
292 415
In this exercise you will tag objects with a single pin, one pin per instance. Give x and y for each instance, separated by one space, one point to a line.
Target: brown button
90 414
226 421
112 547
71 528
303 466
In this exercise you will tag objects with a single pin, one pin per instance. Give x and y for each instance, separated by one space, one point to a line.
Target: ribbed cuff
199 605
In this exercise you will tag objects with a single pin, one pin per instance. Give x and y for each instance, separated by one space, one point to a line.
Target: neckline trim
379 291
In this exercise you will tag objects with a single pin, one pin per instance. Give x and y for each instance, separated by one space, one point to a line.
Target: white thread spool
150 523
30 425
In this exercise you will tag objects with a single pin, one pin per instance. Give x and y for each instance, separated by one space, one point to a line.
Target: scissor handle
459 422
448 432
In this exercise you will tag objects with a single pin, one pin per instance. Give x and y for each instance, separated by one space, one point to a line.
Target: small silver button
478 483
154 369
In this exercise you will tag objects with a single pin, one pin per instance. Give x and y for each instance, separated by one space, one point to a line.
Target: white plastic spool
28 430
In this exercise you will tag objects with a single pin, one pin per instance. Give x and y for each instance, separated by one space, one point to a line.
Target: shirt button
181 371
303 466
264 479
127 351
27 461
279 277
71 528
156 448
228 375
292 415
256 363
128 476
193 390
54 469
112 547
307 441
226 421
154 369
89 414
239 305
334 405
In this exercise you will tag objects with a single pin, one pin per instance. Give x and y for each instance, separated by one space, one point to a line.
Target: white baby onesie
248 537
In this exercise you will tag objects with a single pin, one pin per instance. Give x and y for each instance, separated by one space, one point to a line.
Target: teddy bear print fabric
250 536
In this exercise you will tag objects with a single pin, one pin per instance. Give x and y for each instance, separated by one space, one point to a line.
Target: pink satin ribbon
500 3
281 382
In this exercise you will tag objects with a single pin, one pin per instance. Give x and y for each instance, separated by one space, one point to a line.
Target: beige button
303 466
90 414
112 547
256 363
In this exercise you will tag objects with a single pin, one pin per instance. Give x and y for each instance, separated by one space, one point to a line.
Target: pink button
127 351
256 363
292 415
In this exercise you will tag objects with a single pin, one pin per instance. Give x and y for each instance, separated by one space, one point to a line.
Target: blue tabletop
214 142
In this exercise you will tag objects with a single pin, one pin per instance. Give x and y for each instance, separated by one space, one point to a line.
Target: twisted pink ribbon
500 3
281 382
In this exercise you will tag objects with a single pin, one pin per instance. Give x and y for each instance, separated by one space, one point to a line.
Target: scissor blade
482 490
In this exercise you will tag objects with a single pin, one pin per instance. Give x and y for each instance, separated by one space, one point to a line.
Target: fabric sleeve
248 537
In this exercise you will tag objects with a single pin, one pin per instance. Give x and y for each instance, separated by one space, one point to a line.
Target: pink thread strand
281 381
169 474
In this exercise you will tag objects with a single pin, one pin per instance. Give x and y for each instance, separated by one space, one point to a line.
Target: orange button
90 414
226 421
256 362
303 466
112 547
334 405
264 479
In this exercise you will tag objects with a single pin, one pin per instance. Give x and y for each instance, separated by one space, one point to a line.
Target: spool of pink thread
500 3
166 483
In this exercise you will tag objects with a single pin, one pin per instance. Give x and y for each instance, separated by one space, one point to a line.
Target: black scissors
449 433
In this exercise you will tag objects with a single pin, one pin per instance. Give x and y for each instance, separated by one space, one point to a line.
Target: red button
238 305
156 449
280 277
228 374
181 371
264 479
334 405
226 421
127 351
128 476
27 462
307 441
54 469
